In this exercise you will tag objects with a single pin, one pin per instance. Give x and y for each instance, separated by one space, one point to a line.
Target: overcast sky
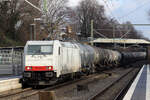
135 11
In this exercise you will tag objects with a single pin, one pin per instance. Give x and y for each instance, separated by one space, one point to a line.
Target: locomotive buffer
140 88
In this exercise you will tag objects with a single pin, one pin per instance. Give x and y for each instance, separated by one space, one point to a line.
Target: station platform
140 88
9 83
9 77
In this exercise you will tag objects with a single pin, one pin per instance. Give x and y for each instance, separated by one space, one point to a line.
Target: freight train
47 62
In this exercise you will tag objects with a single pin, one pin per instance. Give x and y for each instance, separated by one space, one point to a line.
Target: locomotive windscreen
40 49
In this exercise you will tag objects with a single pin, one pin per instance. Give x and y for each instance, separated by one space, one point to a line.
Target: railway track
32 94
13 92
124 90
16 94
100 95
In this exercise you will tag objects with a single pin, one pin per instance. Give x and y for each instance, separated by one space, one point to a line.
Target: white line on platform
148 84
132 88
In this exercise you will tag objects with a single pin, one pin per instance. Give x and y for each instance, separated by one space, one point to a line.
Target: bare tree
89 10
9 17
53 12
104 26
15 19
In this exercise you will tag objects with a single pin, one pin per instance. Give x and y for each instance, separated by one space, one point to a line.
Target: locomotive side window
40 49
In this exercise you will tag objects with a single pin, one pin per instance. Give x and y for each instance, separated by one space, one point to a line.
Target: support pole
31 31
12 57
114 35
92 29
34 30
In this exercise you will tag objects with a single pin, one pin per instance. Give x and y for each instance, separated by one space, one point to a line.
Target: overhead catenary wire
126 15
100 34
133 11
112 14
107 5
111 3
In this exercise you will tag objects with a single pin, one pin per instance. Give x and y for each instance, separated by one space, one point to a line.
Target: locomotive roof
40 42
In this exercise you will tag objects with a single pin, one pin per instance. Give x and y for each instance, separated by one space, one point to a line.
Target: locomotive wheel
35 86
24 85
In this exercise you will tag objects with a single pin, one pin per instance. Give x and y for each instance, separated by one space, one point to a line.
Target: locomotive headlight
28 68
50 67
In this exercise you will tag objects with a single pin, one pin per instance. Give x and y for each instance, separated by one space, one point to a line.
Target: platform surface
9 77
140 88
9 83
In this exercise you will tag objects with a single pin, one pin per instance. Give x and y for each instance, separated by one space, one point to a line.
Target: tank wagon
129 57
46 62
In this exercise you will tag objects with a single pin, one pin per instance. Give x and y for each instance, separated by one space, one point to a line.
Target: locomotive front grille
37 76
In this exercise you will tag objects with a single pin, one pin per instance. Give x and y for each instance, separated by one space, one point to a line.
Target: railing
11 61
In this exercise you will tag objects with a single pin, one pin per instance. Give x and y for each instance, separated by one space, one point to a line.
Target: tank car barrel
113 57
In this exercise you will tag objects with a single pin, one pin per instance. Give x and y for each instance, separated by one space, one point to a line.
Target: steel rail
59 85
108 87
35 92
15 93
122 93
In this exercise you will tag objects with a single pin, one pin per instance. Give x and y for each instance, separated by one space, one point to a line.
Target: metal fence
11 61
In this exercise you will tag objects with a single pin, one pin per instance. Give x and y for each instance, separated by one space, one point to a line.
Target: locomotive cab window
40 49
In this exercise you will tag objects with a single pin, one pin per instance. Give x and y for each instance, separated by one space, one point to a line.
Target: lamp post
35 19
32 29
